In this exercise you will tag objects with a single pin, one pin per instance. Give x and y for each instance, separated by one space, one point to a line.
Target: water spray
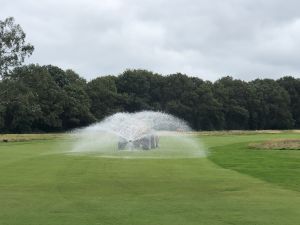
145 134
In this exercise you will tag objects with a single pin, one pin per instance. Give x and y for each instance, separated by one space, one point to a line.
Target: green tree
192 100
233 95
104 97
2 107
208 114
292 86
13 48
2 113
44 98
38 81
20 107
178 97
269 106
76 107
135 86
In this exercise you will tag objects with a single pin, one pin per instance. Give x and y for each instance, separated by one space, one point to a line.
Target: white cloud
209 39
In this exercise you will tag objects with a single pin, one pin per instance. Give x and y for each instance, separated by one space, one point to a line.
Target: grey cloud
209 39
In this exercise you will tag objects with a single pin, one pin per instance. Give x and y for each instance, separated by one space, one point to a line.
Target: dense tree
207 110
233 95
37 98
76 107
38 81
292 86
140 89
269 106
19 105
104 98
13 48
191 99
75 101
177 96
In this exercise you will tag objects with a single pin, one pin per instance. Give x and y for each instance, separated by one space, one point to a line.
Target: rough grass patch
277 144
28 137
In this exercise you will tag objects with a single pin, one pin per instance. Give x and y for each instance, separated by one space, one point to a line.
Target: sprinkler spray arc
144 134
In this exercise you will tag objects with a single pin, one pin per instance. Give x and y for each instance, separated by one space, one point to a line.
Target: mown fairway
233 185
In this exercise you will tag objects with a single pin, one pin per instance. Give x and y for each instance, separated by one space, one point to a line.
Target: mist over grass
171 145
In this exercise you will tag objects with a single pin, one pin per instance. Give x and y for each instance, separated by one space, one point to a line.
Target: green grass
281 167
233 185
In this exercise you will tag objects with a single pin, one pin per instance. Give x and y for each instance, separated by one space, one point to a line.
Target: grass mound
278 144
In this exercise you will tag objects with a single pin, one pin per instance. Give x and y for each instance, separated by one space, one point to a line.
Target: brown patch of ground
27 137
278 144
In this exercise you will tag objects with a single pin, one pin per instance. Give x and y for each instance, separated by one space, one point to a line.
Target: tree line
36 98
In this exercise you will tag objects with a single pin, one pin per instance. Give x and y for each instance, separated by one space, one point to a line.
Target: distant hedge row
37 98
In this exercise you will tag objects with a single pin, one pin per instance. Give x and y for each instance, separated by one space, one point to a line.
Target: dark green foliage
19 108
76 107
292 86
34 87
47 98
141 89
269 106
192 99
207 110
104 97
34 100
234 96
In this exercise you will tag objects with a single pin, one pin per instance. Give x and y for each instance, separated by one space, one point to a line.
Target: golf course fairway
233 184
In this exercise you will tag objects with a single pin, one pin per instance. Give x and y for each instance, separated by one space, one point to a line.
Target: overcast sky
205 38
